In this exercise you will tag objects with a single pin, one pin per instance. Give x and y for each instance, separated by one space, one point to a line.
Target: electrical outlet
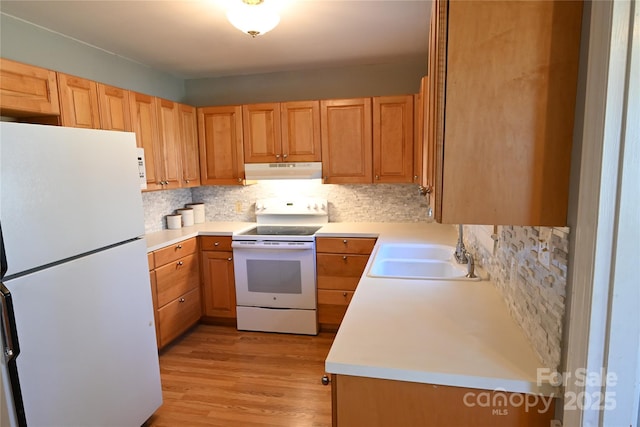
544 251
238 207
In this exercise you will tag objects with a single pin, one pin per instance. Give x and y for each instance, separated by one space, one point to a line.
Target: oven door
275 274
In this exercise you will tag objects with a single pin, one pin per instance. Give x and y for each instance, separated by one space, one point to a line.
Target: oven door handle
276 246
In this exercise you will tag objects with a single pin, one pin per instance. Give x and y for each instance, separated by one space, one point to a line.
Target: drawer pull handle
181 300
180 263
344 257
179 247
216 244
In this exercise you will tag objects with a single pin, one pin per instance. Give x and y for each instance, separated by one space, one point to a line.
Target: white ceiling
193 39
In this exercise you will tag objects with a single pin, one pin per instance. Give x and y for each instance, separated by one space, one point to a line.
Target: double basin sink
417 261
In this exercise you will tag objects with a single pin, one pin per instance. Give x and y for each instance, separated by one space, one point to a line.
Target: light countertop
454 333
160 239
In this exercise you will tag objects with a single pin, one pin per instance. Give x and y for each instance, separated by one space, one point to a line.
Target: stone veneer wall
347 203
534 293
158 204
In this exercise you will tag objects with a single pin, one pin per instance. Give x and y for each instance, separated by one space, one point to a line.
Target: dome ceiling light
253 17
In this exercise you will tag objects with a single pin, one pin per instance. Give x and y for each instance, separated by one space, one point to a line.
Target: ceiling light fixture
253 17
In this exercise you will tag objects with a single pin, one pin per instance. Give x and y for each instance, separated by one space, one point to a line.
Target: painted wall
398 78
25 42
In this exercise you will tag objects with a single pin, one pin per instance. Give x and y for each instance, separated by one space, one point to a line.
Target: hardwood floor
218 376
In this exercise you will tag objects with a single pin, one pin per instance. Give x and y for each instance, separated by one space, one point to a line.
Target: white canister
187 216
174 222
198 212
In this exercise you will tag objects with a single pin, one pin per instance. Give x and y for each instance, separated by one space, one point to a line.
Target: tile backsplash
534 292
347 203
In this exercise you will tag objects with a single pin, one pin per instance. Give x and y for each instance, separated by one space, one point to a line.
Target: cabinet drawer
341 265
334 297
177 316
176 278
347 245
174 252
331 314
215 243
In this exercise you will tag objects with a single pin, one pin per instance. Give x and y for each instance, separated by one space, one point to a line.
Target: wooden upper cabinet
393 139
220 144
346 140
418 132
78 102
189 140
261 137
300 121
170 159
282 132
114 108
145 124
510 90
26 90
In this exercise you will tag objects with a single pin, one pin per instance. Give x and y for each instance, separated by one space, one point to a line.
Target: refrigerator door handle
10 338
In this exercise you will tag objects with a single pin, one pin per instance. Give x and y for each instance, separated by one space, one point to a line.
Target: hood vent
310 170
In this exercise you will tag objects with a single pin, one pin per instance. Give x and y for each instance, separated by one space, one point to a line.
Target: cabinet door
178 316
434 105
114 108
145 125
346 140
220 145
78 102
393 138
169 141
418 133
261 138
189 141
301 131
219 290
26 90
511 79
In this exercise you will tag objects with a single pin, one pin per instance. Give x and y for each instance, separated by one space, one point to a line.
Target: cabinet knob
326 380
180 263
179 247
216 243
285 156
344 241
277 156
229 259
344 257
344 294
187 181
181 300
377 176
239 179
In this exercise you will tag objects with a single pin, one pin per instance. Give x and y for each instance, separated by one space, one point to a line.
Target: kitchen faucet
463 256
461 252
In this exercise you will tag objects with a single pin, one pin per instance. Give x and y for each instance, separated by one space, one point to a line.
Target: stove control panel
298 211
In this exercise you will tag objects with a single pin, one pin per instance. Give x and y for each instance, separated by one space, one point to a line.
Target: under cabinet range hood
295 170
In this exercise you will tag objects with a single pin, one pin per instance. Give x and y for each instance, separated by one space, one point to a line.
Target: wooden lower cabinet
179 315
219 290
372 402
340 263
175 284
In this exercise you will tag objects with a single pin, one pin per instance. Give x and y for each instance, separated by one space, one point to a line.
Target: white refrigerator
78 336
